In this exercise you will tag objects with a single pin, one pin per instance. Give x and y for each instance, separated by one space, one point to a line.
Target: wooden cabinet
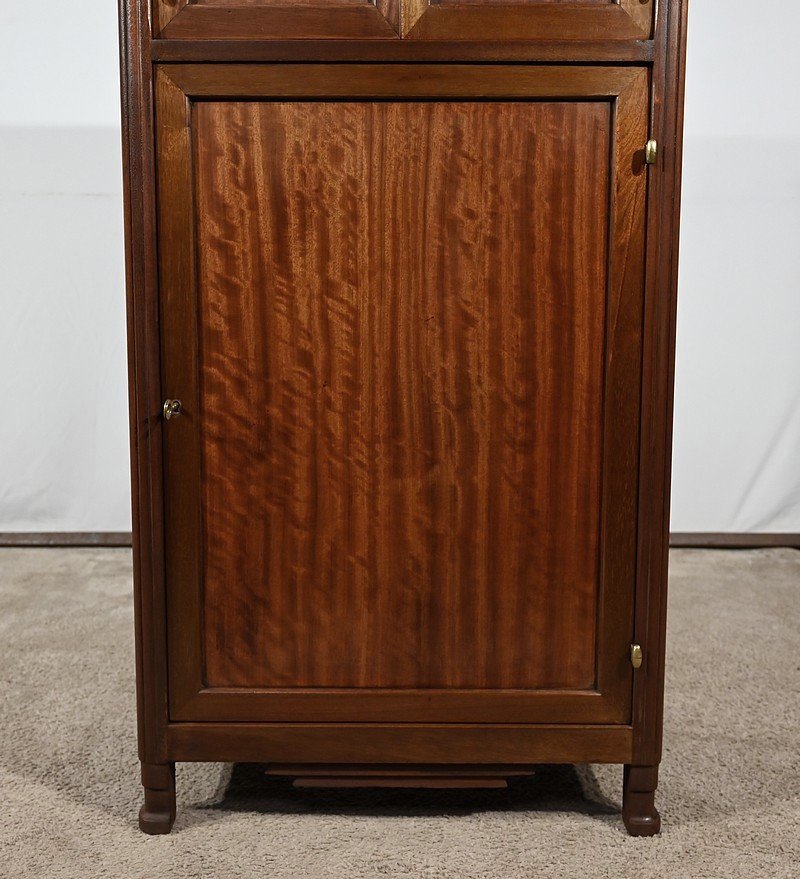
401 345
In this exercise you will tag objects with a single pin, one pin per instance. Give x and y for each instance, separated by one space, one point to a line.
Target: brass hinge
650 152
636 655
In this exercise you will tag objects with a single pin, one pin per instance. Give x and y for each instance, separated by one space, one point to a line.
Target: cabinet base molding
361 743
732 540
639 814
362 755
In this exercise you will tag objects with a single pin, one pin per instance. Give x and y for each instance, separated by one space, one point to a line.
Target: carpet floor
729 793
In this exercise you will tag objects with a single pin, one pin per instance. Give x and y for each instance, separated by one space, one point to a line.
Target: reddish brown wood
396 391
429 782
389 704
404 81
732 540
345 19
443 743
637 71
411 776
562 51
658 368
356 770
157 814
476 20
390 633
164 11
144 381
521 19
638 803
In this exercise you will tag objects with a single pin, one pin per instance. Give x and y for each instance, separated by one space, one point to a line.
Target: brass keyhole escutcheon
171 408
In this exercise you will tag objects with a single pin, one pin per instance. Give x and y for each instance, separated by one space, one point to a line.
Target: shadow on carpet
552 788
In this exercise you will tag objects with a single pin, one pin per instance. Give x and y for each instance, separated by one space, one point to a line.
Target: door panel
417 19
400 398
403 485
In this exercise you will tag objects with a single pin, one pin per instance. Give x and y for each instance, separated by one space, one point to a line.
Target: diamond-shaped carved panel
276 19
526 19
415 19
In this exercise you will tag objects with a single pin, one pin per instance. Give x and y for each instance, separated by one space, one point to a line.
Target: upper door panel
411 19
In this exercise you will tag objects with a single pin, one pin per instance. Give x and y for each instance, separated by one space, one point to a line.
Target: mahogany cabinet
401 301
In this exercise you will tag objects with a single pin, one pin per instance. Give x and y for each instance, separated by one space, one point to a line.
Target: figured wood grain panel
401 318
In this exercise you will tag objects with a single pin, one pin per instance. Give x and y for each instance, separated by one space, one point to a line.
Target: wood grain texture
624 90
563 51
622 386
475 20
401 742
401 391
406 81
157 814
481 20
399 770
338 781
658 369
141 288
639 812
164 11
727 540
557 33
65 538
281 21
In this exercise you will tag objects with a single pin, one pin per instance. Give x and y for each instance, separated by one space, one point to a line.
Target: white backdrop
736 454
63 433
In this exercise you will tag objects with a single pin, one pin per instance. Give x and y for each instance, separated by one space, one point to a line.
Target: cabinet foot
157 814
638 800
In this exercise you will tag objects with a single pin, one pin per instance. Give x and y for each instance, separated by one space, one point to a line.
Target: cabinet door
416 19
401 308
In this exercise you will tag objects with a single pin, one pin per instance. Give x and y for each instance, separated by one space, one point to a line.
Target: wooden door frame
626 90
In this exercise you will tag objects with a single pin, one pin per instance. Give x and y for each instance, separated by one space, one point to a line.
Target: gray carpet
69 775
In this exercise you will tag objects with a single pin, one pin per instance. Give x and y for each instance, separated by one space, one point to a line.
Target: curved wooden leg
638 800
157 814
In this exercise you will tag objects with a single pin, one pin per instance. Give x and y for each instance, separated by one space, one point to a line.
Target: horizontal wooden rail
677 540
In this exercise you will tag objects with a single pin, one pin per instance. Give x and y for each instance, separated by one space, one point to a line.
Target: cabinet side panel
144 379
658 380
